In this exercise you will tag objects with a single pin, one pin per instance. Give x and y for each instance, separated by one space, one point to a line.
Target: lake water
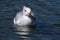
47 14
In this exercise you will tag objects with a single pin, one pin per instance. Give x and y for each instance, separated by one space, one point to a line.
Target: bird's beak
29 14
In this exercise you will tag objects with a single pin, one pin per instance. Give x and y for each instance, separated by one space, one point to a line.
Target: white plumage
22 20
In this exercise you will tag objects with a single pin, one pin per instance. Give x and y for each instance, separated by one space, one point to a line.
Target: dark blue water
47 14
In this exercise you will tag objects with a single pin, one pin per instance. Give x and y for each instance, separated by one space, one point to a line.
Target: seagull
24 20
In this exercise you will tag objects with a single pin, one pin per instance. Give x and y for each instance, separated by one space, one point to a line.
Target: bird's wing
32 16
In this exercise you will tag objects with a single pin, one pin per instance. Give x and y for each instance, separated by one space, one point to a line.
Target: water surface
47 14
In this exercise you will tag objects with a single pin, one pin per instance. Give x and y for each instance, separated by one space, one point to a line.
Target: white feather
22 20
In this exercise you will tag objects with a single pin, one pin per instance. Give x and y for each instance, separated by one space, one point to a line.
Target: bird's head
26 11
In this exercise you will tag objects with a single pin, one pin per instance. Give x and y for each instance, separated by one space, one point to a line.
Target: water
47 16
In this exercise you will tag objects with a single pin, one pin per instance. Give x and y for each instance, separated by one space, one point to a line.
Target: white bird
23 20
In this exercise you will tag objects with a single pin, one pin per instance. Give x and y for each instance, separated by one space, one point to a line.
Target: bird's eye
25 10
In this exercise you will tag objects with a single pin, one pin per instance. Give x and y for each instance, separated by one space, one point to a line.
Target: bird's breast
26 20
23 21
